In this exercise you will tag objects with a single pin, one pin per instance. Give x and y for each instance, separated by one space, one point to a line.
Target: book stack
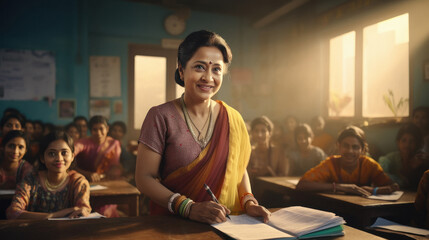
287 223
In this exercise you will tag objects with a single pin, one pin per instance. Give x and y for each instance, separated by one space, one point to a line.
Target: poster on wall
104 75
66 108
27 74
99 107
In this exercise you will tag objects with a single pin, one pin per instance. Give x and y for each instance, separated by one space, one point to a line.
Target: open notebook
287 223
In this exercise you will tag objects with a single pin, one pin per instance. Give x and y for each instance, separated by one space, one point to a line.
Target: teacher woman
194 140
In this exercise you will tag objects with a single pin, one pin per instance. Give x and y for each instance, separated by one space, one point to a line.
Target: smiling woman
349 172
194 140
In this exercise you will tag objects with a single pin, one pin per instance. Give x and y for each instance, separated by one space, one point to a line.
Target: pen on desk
213 196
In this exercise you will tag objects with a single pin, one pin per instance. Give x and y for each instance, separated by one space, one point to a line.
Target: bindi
210 62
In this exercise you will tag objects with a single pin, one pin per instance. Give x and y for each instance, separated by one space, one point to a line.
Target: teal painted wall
76 30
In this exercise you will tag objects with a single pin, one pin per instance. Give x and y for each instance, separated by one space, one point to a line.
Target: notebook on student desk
287 223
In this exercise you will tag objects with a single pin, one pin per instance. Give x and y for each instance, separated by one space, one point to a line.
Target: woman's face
350 150
260 134
117 133
303 141
57 157
203 73
99 132
73 132
38 129
11 124
407 144
83 127
15 149
421 119
29 128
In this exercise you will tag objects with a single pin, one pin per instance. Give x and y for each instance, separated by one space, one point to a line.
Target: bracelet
335 187
170 201
178 203
247 197
374 192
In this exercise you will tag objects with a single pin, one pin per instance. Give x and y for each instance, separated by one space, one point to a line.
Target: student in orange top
350 172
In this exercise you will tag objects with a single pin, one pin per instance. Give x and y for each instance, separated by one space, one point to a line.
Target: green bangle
182 206
374 192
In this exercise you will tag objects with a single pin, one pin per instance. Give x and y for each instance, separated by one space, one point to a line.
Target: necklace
53 188
200 139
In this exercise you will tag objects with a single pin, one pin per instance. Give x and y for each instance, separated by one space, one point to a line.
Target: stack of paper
386 224
287 223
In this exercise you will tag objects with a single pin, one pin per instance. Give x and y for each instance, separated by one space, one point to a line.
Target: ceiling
260 12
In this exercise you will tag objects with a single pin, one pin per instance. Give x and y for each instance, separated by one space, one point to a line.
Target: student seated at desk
53 190
407 165
12 166
97 156
350 172
265 157
304 156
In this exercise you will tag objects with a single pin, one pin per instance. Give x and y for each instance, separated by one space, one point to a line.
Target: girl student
13 168
54 190
349 172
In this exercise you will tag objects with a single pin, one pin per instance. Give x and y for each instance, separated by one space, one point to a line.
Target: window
382 80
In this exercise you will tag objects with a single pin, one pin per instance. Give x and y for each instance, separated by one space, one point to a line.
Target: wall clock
174 24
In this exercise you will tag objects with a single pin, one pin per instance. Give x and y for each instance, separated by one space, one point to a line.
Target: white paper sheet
388 197
7 191
94 215
245 227
386 224
293 181
96 187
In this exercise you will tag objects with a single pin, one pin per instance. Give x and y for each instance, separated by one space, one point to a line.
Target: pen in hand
213 196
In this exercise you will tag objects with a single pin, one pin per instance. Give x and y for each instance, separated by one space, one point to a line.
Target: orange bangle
178 202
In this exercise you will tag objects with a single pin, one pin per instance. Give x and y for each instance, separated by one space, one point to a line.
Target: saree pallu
97 158
221 165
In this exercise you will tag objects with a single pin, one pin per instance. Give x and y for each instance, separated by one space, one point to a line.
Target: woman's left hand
255 210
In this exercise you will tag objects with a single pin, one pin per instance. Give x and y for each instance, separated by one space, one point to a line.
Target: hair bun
178 79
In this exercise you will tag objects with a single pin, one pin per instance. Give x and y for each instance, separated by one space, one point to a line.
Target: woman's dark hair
7 117
121 125
78 118
413 130
48 139
303 129
15 134
353 131
38 122
70 125
196 40
421 109
97 119
264 120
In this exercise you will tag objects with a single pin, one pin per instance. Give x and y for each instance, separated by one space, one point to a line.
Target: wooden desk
143 227
117 192
358 211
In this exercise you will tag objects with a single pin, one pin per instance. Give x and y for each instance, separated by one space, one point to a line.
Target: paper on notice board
27 74
105 76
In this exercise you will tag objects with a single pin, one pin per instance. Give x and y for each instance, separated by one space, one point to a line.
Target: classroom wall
77 29
293 54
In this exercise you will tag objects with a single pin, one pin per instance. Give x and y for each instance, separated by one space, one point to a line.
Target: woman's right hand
352 189
208 212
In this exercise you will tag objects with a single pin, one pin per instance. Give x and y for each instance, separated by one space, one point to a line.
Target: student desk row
143 227
117 192
356 210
